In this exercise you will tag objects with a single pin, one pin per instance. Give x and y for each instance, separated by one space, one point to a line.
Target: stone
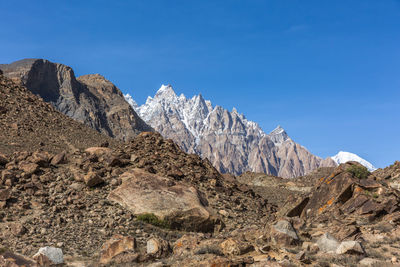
5 194
98 151
230 247
327 243
350 247
40 158
157 247
92 179
283 233
55 255
186 244
116 245
58 159
177 203
28 167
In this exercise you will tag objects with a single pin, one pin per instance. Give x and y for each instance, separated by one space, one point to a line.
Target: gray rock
55 255
350 247
327 243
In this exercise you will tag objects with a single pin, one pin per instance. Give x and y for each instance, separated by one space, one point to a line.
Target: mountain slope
27 123
232 143
343 157
90 99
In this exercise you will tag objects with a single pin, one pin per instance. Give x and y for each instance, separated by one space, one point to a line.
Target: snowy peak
343 157
165 92
278 135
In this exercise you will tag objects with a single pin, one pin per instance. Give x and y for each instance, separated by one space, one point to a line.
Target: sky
326 71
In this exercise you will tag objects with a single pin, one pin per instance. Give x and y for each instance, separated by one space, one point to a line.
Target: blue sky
327 71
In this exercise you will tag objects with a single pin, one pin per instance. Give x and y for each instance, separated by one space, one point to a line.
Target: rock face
27 123
178 204
232 143
90 99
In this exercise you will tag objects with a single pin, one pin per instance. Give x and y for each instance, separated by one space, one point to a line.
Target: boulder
28 167
116 245
157 247
350 247
98 151
327 243
54 255
40 158
177 203
92 179
58 159
283 233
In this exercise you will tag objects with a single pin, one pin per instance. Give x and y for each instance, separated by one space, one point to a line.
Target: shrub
359 172
153 220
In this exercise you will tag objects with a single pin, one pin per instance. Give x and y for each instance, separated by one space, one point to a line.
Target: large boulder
179 204
283 233
49 255
328 243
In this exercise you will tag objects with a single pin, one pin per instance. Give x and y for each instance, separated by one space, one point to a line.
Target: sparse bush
359 172
153 220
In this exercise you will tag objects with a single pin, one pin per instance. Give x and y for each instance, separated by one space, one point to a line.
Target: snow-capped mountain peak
278 135
343 157
165 91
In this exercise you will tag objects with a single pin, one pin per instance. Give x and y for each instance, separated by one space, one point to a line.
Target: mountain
232 143
27 123
90 99
343 157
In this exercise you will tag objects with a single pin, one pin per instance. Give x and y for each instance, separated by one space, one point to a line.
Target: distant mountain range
232 143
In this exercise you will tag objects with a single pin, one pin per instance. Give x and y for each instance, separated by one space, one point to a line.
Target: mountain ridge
231 142
90 99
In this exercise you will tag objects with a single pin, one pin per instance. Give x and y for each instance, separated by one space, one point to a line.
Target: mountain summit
343 157
90 99
232 143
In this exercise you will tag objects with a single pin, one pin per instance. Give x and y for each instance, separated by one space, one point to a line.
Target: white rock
55 255
327 243
350 247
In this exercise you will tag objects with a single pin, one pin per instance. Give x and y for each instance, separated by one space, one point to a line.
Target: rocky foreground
87 200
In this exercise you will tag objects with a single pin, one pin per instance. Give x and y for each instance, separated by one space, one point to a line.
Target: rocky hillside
90 99
27 123
147 202
232 143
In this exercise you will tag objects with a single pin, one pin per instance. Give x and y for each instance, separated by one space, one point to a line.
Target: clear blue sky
327 71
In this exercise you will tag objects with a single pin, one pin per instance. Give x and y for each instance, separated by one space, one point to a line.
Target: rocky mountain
232 143
27 123
67 199
90 99
343 157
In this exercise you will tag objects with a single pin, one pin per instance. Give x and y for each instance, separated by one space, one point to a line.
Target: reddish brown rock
177 203
28 167
92 179
116 245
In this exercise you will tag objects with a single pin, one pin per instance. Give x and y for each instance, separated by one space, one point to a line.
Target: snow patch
343 157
